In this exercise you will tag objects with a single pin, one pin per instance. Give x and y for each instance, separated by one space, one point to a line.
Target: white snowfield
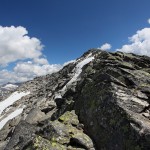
77 72
11 116
8 102
11 99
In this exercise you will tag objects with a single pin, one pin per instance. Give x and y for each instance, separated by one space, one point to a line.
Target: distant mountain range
7 88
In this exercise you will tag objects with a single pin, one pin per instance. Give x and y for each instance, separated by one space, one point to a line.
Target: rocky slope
100 101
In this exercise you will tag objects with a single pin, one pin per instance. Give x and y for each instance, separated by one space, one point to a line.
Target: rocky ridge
100 101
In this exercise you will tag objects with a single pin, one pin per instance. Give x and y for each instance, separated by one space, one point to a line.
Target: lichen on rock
103 104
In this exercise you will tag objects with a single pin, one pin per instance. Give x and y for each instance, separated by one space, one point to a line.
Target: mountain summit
98 102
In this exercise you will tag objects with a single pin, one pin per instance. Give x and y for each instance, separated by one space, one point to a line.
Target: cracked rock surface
101 101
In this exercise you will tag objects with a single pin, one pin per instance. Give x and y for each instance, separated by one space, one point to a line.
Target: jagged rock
3 145
100 101
21 137
114 101
34 116
61 134
4 134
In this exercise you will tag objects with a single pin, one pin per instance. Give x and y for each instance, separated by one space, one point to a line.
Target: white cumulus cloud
105 46
31 69
139 43
15 44
41 61
25 71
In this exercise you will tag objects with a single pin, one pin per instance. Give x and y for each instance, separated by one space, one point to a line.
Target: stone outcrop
100 101
115 95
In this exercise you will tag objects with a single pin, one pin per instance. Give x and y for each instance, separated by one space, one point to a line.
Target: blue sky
67 28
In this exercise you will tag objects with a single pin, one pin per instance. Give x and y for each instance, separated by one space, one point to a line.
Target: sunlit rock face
100 101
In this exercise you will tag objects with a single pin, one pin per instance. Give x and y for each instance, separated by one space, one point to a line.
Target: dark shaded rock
59 102
113 100
22 135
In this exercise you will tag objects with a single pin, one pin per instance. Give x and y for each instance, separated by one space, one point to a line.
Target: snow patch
77 72
11 116
11 99
58 95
